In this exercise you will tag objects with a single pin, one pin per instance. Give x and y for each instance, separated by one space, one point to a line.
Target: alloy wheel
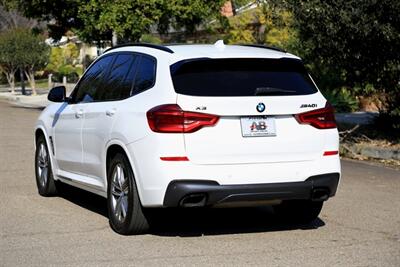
43 164
119 193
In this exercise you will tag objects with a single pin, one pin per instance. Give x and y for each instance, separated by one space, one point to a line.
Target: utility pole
21 75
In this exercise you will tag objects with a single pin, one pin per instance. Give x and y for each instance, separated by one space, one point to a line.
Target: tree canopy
265 24
12 19
8 64
96 20
355 40
20 48
62 14
359 38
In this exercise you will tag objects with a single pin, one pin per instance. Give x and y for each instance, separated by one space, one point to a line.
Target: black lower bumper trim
215 193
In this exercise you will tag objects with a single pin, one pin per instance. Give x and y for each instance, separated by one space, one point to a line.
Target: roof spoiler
154 46
265 47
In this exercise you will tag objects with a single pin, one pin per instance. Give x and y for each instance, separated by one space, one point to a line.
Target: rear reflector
171 118
323 118
174 158
331 153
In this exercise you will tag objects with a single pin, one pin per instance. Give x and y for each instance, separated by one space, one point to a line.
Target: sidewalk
28 101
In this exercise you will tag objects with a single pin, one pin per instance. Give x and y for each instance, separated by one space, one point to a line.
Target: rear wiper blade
271 90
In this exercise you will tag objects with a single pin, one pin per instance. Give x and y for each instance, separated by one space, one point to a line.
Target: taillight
323 118
170 118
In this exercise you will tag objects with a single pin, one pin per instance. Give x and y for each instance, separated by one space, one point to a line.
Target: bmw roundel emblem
260 107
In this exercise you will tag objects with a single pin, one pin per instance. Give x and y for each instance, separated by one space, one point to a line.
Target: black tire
134 221
43 169
298 211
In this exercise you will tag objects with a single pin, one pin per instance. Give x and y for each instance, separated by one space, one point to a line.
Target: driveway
359 227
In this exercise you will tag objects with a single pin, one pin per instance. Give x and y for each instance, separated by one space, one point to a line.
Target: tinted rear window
241 77
146 75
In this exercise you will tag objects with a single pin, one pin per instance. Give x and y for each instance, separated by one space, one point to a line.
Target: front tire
125 211
298 211
43 170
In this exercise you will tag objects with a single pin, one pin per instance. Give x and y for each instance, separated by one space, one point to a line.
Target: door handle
110 112
79 113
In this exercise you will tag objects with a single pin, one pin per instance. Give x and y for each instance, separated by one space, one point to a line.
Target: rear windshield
241 77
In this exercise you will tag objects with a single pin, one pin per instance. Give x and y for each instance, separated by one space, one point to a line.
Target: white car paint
82 134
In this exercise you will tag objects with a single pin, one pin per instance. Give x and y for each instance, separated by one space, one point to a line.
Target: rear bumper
207 193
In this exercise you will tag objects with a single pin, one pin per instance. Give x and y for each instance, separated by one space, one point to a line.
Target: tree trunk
30 74
114 39
261 34
11 80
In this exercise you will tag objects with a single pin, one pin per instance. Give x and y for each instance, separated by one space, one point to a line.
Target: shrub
65 70
389 116
151 39
63 63
72 73
342 100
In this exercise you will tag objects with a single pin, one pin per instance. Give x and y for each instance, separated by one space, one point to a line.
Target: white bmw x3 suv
191 126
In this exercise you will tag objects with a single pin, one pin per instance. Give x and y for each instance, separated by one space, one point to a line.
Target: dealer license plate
258 126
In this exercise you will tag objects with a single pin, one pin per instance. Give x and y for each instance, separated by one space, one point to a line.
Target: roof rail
264 46
159 47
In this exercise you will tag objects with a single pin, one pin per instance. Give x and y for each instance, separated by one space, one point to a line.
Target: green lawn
42 84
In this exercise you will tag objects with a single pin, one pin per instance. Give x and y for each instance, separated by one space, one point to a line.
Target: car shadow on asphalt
221 221
83 199
196 221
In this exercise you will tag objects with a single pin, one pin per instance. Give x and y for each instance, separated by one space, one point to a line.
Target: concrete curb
8 97
370 151
361 118
38 101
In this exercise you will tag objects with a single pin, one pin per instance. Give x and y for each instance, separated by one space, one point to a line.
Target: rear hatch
255 100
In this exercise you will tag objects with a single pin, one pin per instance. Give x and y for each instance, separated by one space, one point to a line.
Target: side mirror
57 94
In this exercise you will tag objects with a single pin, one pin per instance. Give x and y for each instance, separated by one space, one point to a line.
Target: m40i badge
308 106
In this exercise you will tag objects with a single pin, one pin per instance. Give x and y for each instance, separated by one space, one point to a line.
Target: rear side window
119 82
241 77
146 75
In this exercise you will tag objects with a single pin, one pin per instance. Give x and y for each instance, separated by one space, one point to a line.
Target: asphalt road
359 227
